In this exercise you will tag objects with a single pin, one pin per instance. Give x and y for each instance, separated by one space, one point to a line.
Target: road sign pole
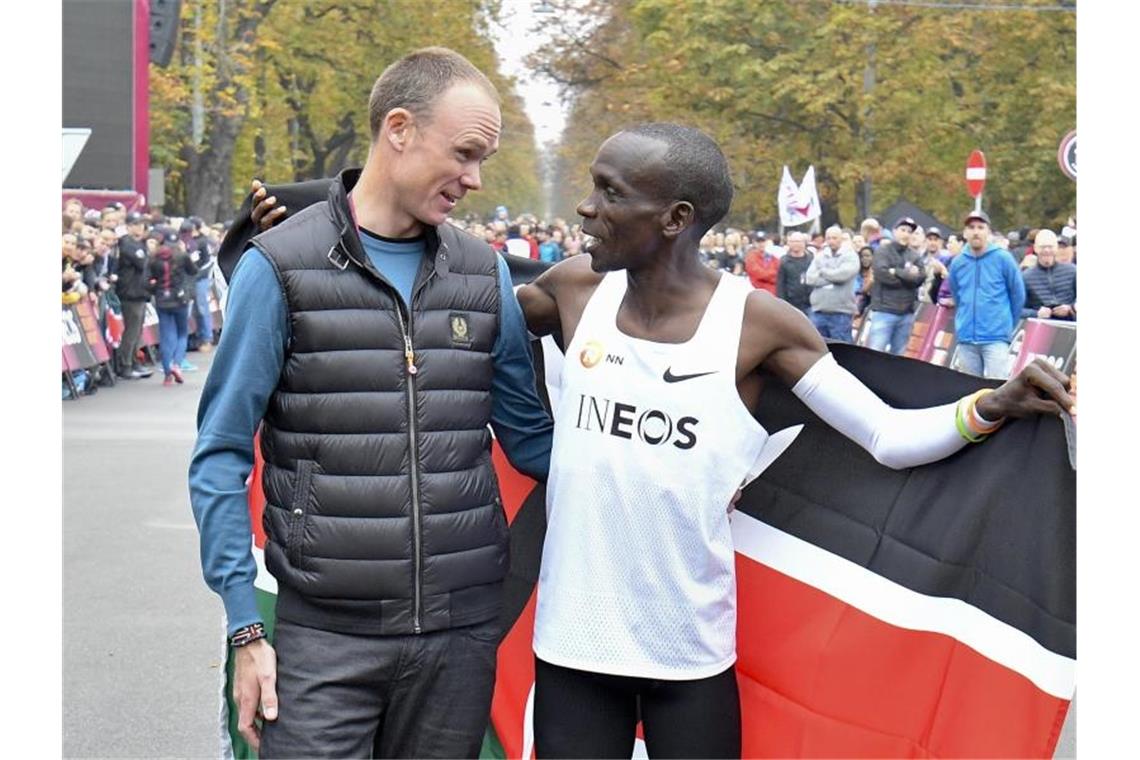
976 177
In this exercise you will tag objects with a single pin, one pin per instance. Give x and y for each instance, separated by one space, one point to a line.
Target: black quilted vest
382 511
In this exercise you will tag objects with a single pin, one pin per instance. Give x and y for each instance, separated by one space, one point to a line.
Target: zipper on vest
413 467
414 454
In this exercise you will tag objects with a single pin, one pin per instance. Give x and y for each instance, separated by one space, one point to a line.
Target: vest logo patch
460 333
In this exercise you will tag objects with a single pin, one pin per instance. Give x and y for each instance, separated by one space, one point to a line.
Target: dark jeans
133 313
173 325
833 324
202 315
583 714
343 695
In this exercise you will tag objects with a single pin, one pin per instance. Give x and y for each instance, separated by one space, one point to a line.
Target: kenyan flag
924 613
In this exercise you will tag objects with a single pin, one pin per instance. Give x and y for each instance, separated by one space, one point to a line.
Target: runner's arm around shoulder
896 438
539 299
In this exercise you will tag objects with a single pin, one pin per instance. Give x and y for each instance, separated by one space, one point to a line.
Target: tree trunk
863 198
209 165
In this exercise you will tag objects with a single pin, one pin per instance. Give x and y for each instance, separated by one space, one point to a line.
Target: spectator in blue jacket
548 249
987 287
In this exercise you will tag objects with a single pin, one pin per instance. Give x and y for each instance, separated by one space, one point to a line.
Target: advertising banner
932 337
1053 341
75 347
92 332
150 326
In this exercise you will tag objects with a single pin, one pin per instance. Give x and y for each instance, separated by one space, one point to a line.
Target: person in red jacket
760 265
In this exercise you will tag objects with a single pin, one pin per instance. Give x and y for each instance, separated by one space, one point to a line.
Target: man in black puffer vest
374 344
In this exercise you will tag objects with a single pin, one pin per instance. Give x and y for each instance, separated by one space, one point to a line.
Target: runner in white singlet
653 434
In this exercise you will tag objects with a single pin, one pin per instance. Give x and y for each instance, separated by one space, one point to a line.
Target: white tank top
651 441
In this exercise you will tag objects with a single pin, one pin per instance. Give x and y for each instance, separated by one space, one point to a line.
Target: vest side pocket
299 508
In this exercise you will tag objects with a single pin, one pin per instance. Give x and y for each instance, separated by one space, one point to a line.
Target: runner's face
444 156
933 244
622 213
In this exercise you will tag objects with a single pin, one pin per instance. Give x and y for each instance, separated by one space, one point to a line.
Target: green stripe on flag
267 606
492 748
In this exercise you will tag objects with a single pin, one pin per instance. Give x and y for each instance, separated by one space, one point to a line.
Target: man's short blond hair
1044 237
417 80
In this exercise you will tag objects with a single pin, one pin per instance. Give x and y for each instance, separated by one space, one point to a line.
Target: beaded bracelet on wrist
247 635
971 426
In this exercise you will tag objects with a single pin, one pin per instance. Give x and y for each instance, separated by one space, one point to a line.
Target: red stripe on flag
256 498
819 677
513 681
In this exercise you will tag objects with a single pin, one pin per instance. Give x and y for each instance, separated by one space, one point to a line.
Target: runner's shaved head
693 169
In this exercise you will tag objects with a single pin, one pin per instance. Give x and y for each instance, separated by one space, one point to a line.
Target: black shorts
582 714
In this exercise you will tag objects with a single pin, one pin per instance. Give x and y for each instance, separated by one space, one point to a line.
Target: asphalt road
142 635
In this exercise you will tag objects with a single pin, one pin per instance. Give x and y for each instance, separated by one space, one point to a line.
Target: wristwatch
247 635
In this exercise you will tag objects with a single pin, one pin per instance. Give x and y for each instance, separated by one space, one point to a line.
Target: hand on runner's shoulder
1039 388
263 214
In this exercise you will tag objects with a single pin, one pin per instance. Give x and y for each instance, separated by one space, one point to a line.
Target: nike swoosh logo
669 377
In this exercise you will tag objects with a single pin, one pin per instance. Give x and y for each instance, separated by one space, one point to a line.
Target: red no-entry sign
976 173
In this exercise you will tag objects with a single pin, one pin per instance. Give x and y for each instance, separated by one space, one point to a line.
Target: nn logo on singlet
622 420
593 352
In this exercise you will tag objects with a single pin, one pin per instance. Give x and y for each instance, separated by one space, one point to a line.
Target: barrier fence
89 342
932 340
92 330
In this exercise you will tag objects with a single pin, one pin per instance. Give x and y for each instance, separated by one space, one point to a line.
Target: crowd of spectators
841 277
120 262
837 278
525 235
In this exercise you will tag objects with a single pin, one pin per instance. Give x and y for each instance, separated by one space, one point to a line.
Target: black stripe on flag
993 525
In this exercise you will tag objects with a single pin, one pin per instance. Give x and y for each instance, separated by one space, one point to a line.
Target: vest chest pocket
298 510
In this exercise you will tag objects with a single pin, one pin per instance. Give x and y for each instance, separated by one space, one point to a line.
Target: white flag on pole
798 204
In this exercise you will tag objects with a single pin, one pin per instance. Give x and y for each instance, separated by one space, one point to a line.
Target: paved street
142 635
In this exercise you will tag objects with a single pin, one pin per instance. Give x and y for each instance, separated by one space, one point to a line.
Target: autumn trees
279 90
886 101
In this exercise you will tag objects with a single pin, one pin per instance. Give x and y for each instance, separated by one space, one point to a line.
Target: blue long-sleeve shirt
246 369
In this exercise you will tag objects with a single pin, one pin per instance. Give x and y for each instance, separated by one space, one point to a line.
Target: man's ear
399 124
677 218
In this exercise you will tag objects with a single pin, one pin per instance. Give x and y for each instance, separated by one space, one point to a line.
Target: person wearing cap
198 248
132 289
171 277
934 261
1067 250
761 265
989 293
897 275
1050 286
